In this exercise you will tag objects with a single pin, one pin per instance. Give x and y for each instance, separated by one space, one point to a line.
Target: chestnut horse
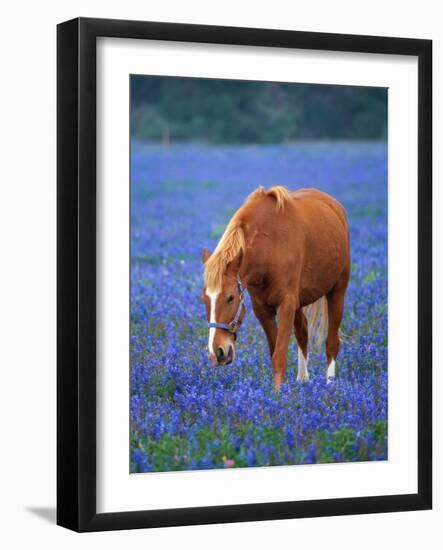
290 250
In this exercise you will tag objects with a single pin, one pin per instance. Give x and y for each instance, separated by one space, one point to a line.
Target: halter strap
234 324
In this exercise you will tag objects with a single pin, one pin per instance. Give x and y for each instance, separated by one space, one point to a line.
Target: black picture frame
76 279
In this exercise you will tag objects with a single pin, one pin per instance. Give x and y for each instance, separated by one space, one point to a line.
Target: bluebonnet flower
186 414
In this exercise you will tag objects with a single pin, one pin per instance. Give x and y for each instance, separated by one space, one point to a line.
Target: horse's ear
234 266
205 254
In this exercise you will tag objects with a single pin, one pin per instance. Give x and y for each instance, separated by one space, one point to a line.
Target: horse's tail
317 317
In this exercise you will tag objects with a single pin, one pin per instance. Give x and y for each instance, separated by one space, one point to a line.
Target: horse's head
225 310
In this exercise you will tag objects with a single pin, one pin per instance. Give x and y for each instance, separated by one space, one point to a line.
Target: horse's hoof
303 379
330 379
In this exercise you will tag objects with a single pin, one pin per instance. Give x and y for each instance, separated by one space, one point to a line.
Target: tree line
172 109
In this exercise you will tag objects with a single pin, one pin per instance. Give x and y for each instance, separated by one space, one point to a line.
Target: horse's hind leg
301 333
336 302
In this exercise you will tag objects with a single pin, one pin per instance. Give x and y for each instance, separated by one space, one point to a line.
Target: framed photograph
244 274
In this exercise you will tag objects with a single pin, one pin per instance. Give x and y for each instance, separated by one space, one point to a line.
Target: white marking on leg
303 374
213 299
330 375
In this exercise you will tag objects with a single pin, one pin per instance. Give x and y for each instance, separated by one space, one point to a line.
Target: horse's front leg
286 315
266 316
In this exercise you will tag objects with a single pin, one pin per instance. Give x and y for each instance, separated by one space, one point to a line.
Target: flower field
187 414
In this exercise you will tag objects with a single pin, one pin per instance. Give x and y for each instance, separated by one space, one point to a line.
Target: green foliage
174 452
231 111
371 277
347 445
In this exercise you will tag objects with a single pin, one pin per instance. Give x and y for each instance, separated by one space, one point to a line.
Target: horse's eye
230 299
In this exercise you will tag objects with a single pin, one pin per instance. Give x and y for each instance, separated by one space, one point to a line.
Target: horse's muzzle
224 358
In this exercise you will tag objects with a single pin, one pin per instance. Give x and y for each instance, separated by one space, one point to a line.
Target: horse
291 252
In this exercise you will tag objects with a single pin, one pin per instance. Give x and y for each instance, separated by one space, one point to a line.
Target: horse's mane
232 242
228 248
281 195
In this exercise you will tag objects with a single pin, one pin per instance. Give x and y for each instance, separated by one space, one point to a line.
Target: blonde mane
280 193
232 242
228 248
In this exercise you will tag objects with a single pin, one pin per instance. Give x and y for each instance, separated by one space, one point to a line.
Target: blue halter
234 324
